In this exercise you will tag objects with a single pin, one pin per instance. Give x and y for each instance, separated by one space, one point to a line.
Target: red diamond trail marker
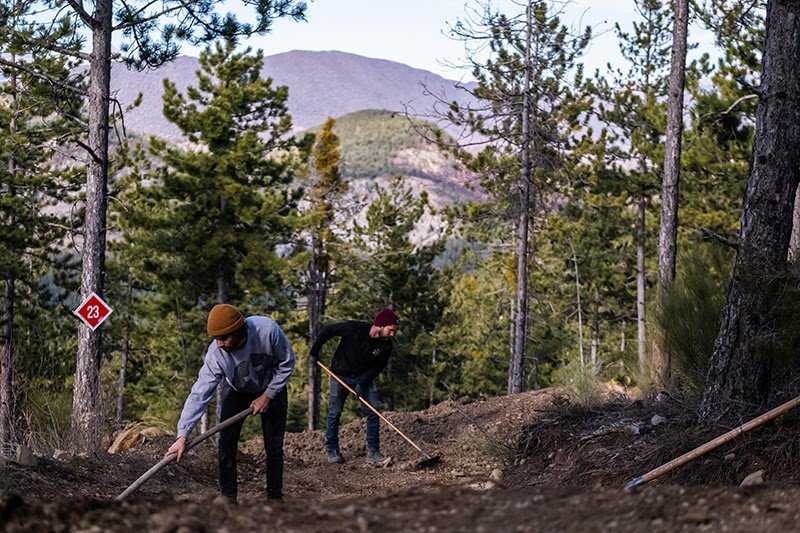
93 311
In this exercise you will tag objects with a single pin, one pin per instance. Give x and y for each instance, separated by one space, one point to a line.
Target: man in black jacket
363 351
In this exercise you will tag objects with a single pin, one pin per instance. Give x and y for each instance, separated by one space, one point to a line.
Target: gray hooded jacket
263 364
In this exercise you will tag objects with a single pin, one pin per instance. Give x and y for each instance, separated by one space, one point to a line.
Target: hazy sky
414 32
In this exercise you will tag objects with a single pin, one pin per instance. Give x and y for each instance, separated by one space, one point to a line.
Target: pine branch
731 107
42 76
709 235
82 13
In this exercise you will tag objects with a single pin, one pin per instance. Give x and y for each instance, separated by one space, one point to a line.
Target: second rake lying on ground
427 459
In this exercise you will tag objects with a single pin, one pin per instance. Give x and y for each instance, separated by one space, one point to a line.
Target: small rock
634 429
351 510
24 456
62 455
729 456
756 478
482 485
657 419
496 474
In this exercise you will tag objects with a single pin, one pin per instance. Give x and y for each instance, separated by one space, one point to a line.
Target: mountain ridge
321 85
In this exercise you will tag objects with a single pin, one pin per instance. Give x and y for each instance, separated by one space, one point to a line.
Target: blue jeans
338 395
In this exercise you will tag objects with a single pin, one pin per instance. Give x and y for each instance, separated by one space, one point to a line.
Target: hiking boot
335 457
375 457
223 499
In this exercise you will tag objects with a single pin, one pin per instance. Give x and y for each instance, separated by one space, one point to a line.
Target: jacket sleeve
325 334
284 356
207 380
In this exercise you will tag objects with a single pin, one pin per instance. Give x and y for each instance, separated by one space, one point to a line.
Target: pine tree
326 190
31 232
526 115
202 224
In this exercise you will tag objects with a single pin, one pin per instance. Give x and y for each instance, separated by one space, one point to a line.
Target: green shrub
689 321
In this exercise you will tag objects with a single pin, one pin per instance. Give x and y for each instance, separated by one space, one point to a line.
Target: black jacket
358 355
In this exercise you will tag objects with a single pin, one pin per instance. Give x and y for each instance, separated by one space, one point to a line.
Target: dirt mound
531 461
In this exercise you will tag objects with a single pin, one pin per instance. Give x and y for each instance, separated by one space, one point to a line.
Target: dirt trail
474 488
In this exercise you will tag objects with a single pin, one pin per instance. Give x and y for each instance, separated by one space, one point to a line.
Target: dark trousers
273 427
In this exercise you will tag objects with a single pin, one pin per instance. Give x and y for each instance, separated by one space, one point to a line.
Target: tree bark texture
86 413
668 230
7 364
794 242
739 372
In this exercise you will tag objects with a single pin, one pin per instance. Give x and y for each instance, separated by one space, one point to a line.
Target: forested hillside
380 144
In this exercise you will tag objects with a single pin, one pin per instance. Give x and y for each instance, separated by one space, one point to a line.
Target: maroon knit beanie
385 317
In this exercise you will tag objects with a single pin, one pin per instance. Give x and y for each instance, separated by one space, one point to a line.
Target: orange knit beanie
224 319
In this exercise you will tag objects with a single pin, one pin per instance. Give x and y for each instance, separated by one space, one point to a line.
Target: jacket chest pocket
250 375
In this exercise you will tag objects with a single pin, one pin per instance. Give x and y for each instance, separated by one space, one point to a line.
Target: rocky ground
534 461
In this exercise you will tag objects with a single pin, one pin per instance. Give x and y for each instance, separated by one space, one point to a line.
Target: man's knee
335 409
274 447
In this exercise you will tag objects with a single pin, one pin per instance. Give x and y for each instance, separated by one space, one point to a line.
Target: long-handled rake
194 442
427 459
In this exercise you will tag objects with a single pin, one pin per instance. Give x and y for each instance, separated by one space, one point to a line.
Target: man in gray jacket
251 360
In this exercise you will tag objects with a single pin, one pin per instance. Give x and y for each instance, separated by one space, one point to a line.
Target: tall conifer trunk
7 363
579 306
86 415
594 357
517 367
123 358
738 371
641 232
668 231
316 310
